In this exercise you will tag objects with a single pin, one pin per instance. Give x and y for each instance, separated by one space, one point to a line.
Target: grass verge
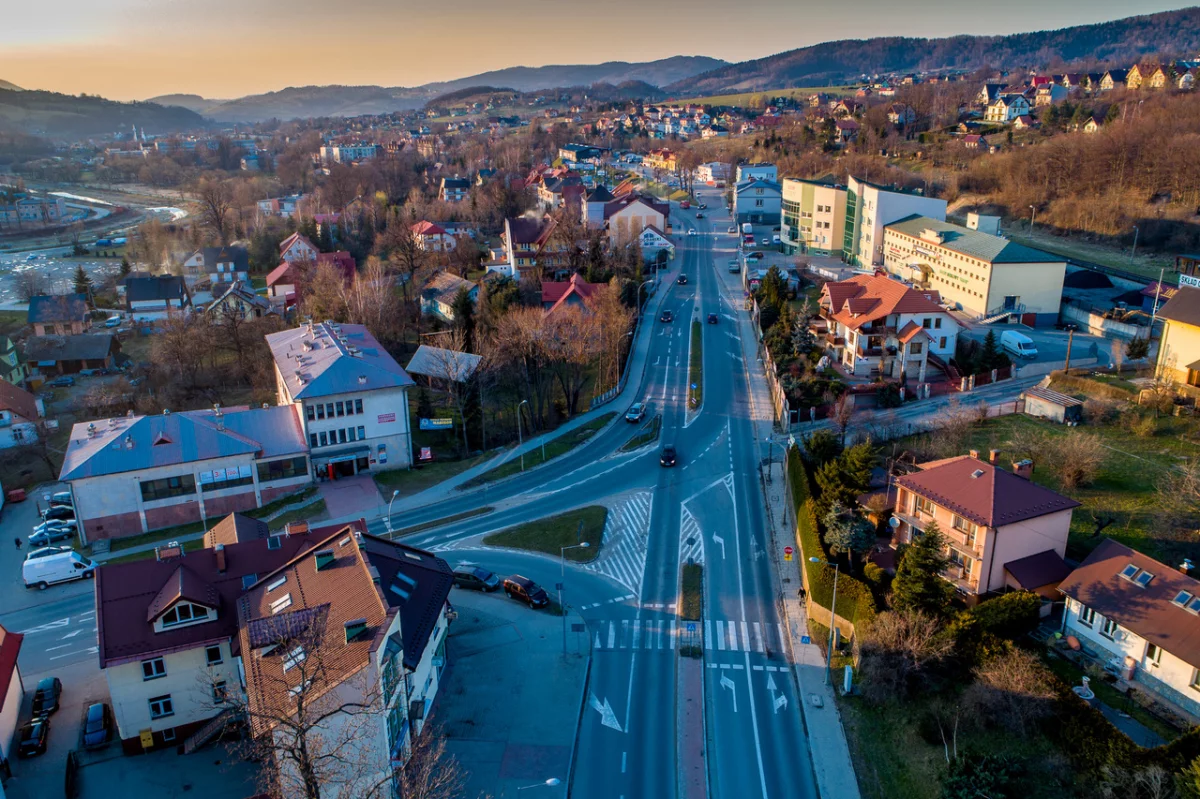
696 367
290 499
554 448
646 435
299 515
156 536
551 534
1071 674
691 601
458 517
415 480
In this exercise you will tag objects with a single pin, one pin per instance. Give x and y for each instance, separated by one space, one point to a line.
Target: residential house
982 274
219 264
713 172
1049 94
628 216
285 283
1150 76
988 94
556 192
760 171
1006 108
133 474
1136 618
593 207
1025 122
12 694
12 364
239 301
432 238
285 207
529 245
868 208
1113 79
813 215
575 292
59 314
64 355
350 395
19 414
154 298
901 114
297 247
663 159
993 520
1179 346
845 131
454 190
1093 124
879 327
759 201
441 292
573 153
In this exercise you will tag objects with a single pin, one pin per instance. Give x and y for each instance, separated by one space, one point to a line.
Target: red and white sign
384 418
787 553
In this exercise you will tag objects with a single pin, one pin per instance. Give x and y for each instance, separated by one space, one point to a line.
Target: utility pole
1070 339
1032 216
1133 251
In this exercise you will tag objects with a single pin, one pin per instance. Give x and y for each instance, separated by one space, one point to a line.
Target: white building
869 208
761 171
713 172
758 201
350 395
1006 108
347 153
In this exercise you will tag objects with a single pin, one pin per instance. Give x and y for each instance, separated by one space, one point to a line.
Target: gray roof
325 359
95 347
443 364
50 308
132 443
753 183
237 255
155 287
972 243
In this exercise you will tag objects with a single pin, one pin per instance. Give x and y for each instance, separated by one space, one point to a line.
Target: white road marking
637 633
673 635
745 638
721 635
612 635
707 634
624 631
758 639
732 628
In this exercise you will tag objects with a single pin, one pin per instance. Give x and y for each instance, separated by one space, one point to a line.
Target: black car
668 456
681 280
45 698
666 316
475 578
702 206
712 318
58 512
527 591
699 215
62 382
32 738
97 726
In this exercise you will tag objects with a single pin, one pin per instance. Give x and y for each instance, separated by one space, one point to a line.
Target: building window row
283 469
168 487
345 435
333 410
226 478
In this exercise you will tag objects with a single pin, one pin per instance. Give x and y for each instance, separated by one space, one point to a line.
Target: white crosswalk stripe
623 557
721 635
663 634
691 539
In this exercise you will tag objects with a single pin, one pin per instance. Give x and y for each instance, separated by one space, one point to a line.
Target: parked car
43 536
62 498
765 241
58 512
776 240
45 697
57 524
734 266
32 738
61 567
475 578
681 280
62 382
1018 344
699 214
97 726
702 206
732 230
713 318
635 413
527 591
668 457
112 321
666 316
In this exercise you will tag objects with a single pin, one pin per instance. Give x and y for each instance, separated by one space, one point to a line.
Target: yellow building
1179 348
983 275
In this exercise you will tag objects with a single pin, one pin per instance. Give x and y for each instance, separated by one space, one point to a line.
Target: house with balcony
1003 531
529 245
1139 619
878 327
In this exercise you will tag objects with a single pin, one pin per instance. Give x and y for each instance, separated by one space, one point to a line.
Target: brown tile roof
182 584
983 493
18 400
1184 307
910 331
556 294
1149 611
1037 571
236 528
865 298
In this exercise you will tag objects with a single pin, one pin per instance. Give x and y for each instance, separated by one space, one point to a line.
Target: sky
136 49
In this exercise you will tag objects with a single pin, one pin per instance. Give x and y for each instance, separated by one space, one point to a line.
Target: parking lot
1052 344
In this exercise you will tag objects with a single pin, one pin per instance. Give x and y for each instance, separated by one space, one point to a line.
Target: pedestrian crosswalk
623 557
718 635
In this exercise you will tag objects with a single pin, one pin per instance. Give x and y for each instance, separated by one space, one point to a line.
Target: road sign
804 639
691 628
787 553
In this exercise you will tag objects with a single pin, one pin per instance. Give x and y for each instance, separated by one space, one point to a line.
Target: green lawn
696 366
691 601
157 536
646 434
308 512
549 535
467 514
1149 264
1069 673
415 480
12 321
554 448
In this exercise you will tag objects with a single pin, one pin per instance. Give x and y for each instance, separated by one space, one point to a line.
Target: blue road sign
691 627
804 639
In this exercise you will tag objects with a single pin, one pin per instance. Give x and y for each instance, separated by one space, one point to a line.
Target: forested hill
66 115
1122 42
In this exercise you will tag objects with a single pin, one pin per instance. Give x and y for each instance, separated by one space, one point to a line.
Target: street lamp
388 521
562 565
550 782
832 617
620 341
1134 250
1032 215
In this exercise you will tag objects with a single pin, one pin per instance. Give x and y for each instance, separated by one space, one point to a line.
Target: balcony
962 542
834 340
962 582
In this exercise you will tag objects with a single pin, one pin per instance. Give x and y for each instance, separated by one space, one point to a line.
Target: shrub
1009 615
1100 412
901 655
972 776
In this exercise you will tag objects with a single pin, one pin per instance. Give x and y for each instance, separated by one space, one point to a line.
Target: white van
59 568
1018 344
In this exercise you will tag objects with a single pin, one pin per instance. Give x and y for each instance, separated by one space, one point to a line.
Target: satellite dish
894 523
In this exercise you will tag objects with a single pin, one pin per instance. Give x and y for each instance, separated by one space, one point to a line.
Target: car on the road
666 316
58 512
668 457
62 382
32 737
527 591
765 241
732 230
776 240
691 231
713 318
475 578
685 204
703 206
97 726
699 214
45 697
681 280
754 257
635 413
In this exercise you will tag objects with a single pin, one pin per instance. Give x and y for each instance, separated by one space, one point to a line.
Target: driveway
1052 344
350 496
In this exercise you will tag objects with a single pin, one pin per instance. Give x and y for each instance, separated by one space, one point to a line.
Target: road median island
429 525
691 602
696 367
646 435
551 534
553 449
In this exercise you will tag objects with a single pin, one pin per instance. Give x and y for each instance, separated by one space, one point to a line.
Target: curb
587 679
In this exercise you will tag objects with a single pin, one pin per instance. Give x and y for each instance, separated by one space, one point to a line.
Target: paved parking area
211 773
1052 344
348 496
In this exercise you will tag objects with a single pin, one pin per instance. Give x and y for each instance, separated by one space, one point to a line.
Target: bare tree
1077 458
31 284
900 650
431 772
843 412
1012 691
180 348
216 204
457 374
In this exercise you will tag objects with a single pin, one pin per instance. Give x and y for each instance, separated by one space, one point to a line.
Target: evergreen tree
990 356
821 447
848 532
919 584
83 283
803 340
464 318
842 479
126 268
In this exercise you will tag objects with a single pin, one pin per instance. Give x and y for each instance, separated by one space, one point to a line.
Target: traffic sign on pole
787 553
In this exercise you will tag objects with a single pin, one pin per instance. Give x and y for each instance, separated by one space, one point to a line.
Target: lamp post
388 520
1070 339
832 617
1032 216
1133 251
620 341
562 565
520 438
550 782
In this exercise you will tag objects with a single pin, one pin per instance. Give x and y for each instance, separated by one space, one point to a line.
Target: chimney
993 456
1023 468
219 551
296 528
1186 566
975 454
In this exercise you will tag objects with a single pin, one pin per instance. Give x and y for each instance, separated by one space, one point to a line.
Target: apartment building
814 216
760 171
869 208
348 153
758 201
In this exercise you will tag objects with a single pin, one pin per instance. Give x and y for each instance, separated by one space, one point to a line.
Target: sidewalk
832 764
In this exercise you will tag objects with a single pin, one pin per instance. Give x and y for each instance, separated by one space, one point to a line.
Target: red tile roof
866 298
182 584
425 228
341 260
911 331
18 400
10 648
556 294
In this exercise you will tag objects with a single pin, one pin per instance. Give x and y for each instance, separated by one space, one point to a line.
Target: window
358 406
922 505
1181 599
937 323
294 658
183 613
362 433
1087 616
286 468
926 323
341 409
219 692
312 442
168 487
329 409
352 433
320 411
324 439
342 436
1109 629
161 706
153 669
168 735
310 413
758 203
212 654
1153 654
1129 571
942 343
914 348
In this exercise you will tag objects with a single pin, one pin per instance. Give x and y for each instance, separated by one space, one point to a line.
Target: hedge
855 602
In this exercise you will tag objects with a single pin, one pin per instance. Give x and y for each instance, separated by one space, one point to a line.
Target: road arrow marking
51 625
771 686
780 702
728 683
720 541
607 717
71 634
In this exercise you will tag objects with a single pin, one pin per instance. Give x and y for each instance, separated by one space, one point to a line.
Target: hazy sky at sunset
133 49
